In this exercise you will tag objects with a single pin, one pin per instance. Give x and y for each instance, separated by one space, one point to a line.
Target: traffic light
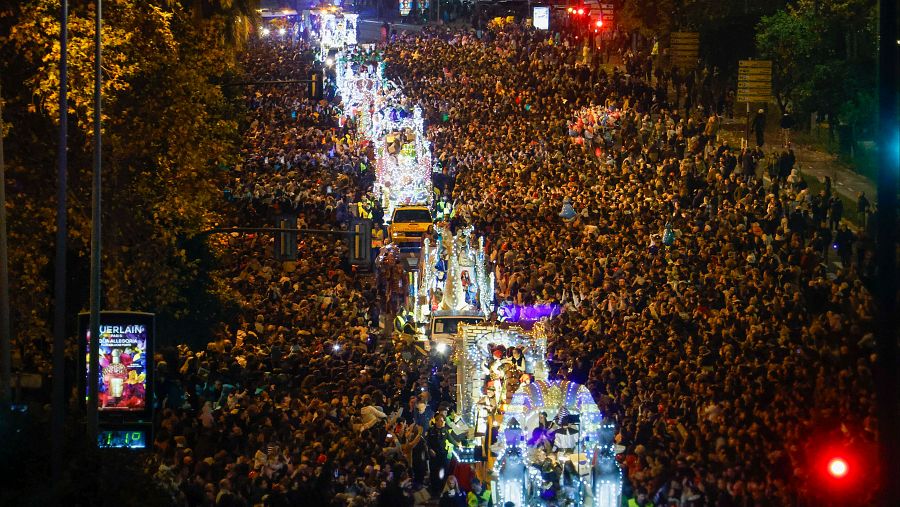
361 242
838 467
315 85
286 242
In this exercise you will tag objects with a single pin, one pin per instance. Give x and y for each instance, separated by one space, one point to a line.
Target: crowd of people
700 303
702 306
297 402
298 157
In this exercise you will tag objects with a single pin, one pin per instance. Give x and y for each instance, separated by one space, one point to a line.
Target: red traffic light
838 468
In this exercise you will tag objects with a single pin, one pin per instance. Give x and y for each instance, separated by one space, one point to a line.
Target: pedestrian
862 208
759 127
836 212
844 240
452 495
787 123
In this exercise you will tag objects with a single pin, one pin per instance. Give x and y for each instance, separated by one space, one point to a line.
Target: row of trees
824 51
169 131
824 57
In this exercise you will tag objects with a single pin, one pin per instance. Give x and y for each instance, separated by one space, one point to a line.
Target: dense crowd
296 403
298 157
702 305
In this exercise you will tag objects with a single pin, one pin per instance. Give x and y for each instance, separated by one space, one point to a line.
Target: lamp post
59 275
887 376
94 355
5 338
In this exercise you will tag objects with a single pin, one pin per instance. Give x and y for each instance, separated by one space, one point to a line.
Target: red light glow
580 12
837 468
599 23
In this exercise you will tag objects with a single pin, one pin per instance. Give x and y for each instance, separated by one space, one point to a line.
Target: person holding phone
452 495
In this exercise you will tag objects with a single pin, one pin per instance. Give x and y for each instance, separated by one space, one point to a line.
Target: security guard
478 496
441 209
377 241
364 208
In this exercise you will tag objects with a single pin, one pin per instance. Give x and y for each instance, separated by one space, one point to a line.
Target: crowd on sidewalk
699 304
296 402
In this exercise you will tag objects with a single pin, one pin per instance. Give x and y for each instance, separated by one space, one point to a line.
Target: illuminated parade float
545 441
539 441
453 275
331 27
394 127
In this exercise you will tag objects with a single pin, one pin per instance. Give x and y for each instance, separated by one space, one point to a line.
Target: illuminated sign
122 439
514 313
541 18
126 355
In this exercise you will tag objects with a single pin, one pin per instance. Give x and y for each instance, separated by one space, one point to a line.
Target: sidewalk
815 165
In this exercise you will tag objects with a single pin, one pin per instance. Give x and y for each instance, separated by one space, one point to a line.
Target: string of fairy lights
403 166
385 118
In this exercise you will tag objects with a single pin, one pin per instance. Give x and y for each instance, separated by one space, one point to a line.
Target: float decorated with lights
330 27
545 441
403 157
385 118
453 275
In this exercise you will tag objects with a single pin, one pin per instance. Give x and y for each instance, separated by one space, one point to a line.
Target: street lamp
94 354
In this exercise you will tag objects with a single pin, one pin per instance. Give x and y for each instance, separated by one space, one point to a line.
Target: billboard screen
126 355
541 18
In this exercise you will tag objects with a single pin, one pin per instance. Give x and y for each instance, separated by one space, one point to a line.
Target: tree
789 39
823 55
168 131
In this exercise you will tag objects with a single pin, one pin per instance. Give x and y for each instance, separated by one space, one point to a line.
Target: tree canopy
169 130
823 55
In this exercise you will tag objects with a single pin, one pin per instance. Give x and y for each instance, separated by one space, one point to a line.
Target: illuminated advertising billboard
126 361
541 18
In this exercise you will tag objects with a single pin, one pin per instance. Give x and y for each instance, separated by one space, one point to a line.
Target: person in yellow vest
377 241
364 208
478 496
442 209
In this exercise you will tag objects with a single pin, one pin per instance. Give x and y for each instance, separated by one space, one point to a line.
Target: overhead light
441 347
265 32
282 31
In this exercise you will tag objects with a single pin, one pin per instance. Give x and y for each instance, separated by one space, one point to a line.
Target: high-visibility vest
364 212
377 237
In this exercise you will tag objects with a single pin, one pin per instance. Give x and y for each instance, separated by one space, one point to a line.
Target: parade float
403 157
544 441
394 127
453 276
330 27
